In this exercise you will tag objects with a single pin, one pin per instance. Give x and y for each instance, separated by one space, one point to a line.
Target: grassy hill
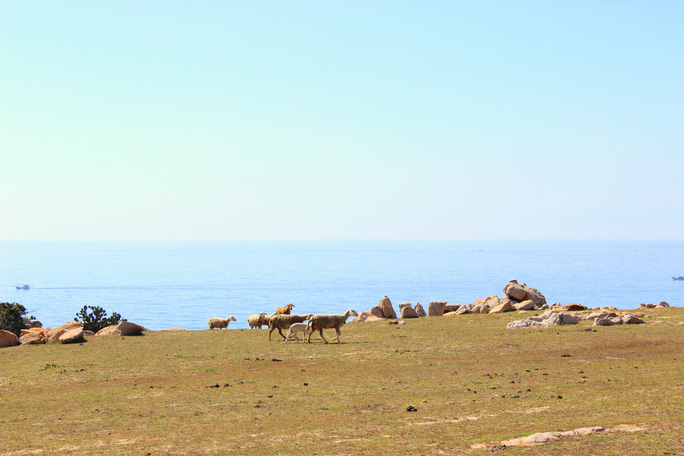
472 382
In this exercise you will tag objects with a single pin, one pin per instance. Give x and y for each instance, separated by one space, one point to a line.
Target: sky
241 120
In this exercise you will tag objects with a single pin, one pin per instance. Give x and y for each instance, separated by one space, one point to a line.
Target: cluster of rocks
662 305
68 333
548 318
518 297
604 316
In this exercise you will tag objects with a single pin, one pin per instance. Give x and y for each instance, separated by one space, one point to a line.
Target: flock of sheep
294 324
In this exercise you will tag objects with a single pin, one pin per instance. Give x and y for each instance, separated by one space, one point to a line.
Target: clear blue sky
341 120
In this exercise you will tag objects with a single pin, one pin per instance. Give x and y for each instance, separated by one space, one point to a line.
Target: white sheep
284 321
257 321
320 322
219 323
296 328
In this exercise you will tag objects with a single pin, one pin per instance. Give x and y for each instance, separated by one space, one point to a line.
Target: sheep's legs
338 335
322 336
281 333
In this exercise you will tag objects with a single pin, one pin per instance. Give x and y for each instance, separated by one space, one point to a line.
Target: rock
524 324
503 307
72 336
630 319
408 312
545 437
646 306
523 292
419 310
525 305
569 307
514 290
130 329
436 308
662 305
123 328
404 304
37 324
484 305
361 317
8 339
607 321
55 333
451 308
374 318
110 330
88 332
33 336
567 319
387 309
377 311
553 319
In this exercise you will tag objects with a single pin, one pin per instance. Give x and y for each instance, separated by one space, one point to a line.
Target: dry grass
473 383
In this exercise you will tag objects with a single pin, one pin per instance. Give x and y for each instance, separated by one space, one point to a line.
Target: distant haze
211 120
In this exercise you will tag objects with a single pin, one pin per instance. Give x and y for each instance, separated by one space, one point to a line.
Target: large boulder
361 317
646 306
55 333
387 309
506 306
420 310
662 305
524 292
8 339
608 321
72 336
123 328
630 319
436 308
524 324
33 336
408 312
525 305
377 311
404 304
574 307
484 305
451 308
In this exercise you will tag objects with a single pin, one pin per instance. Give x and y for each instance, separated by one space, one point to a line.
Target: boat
677 277
22 287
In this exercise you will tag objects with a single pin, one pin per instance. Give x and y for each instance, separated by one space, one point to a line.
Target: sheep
220 322
295 328
284 309
319 322
284 321
257 321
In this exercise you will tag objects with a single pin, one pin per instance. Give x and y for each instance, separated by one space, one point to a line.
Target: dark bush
12 317
97 318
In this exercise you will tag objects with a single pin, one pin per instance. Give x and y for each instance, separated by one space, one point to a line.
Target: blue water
163 285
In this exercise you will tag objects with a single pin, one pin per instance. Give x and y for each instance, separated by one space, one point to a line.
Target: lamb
220 322
284 309
319 322
257 321
284 321
295 328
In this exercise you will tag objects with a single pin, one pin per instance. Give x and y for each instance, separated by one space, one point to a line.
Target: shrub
97 318
12 317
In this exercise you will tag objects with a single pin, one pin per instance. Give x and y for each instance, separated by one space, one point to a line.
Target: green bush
12 317
97 318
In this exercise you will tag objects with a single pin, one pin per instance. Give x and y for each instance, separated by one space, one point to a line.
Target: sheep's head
262 314
352 313
231 318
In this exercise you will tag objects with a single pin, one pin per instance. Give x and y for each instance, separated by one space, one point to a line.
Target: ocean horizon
168 284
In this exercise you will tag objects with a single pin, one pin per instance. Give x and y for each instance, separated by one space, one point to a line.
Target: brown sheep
319 322
284 321
285 310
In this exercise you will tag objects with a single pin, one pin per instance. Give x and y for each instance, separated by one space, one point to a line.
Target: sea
163 285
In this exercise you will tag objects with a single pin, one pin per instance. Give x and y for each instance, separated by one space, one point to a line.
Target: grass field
473 383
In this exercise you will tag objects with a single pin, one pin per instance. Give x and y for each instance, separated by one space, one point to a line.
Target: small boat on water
677 277
22 287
